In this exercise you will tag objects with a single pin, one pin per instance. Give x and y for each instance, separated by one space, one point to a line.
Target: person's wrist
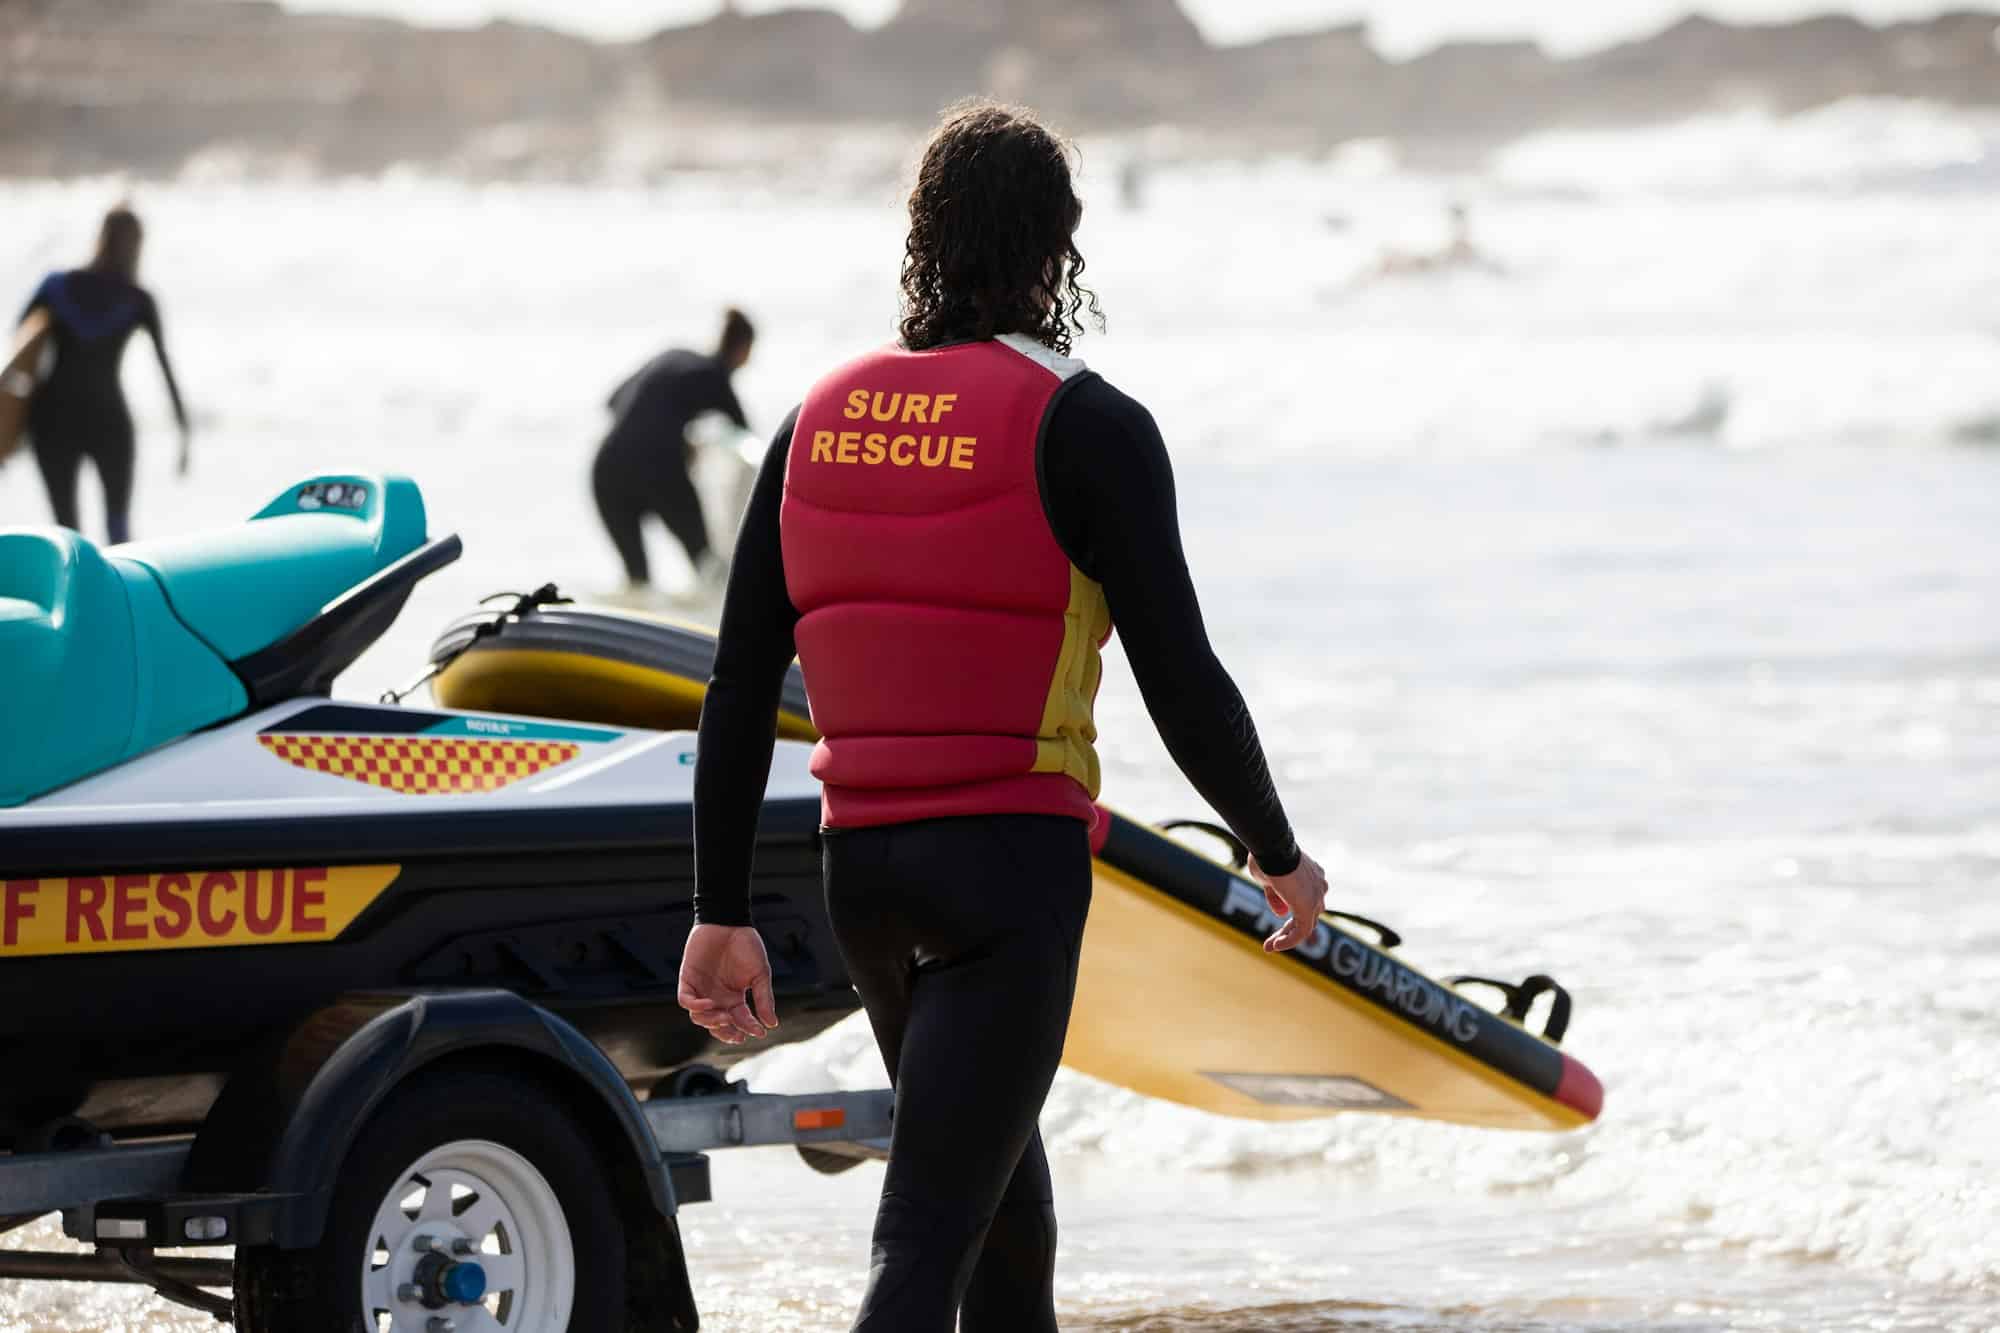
1284 864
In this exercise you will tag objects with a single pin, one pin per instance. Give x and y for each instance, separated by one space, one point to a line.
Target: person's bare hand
719 965
1298 897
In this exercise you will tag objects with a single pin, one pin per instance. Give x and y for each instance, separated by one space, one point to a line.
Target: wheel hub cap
471 1238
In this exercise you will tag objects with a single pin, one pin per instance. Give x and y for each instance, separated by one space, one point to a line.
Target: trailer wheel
471 1202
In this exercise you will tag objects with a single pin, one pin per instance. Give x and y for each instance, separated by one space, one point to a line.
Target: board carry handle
1522 995
1385 937
1239 854
1239 859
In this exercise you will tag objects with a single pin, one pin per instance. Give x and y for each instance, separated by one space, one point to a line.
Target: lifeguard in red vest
949 645
944 533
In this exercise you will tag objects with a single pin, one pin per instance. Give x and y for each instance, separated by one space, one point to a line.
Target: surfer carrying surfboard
943 533
79 411
643 466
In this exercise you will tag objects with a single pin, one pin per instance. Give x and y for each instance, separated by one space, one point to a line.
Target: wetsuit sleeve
44 294
1109 492
725 401
623 393
150 316
739 719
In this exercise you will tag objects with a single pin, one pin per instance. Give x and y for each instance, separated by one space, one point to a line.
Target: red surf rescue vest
950 649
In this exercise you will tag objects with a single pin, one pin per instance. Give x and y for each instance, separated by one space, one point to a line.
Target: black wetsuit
642 466
79 412
962 935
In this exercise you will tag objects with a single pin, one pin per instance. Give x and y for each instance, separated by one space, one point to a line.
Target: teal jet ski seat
242 589
105 654
93 666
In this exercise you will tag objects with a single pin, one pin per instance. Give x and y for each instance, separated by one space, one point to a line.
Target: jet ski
1173 973
199 847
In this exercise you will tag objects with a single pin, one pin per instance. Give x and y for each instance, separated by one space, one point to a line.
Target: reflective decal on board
191 909
1325 1092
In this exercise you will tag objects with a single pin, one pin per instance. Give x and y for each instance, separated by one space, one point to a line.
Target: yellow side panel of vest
1066 740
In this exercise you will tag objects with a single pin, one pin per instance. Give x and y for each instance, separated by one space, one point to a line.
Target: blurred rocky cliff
156 85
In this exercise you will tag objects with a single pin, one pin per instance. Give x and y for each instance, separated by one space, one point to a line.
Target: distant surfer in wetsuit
643 466
944 532
79 411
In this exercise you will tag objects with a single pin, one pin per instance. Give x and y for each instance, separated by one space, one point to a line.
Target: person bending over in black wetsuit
944 532
79 411
643 465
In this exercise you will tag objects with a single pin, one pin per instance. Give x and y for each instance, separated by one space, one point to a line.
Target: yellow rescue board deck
1176 997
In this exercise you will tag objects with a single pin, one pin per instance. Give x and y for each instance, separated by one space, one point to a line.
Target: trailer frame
133 1199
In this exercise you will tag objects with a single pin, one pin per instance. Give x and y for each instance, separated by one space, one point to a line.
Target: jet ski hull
161 921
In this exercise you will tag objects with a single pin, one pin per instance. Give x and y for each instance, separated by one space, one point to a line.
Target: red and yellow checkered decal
421 765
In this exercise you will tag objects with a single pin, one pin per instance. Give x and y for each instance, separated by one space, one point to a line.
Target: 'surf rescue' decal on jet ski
192 909
421 765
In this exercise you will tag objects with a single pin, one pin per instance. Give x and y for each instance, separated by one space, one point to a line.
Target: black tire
318 1290
694 1081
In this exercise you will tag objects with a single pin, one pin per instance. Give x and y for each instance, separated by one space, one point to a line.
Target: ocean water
1631 613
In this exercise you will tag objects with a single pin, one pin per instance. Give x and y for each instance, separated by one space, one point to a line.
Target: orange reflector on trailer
824 1117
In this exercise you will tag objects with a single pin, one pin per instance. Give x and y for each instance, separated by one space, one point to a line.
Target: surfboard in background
18 380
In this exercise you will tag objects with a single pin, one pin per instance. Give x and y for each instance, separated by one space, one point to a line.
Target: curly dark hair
992 245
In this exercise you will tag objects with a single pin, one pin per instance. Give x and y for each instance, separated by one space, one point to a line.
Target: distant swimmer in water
79 411
643 465
1458 255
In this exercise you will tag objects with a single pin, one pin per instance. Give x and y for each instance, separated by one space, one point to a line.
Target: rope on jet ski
524 602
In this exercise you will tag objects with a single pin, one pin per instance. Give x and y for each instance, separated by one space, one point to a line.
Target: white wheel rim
478 1203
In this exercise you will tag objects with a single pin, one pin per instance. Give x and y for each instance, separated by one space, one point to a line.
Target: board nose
1579 1089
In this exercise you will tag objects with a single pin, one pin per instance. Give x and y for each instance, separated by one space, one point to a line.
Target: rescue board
1176 997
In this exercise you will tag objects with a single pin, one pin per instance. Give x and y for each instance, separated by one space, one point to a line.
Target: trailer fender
289 1114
